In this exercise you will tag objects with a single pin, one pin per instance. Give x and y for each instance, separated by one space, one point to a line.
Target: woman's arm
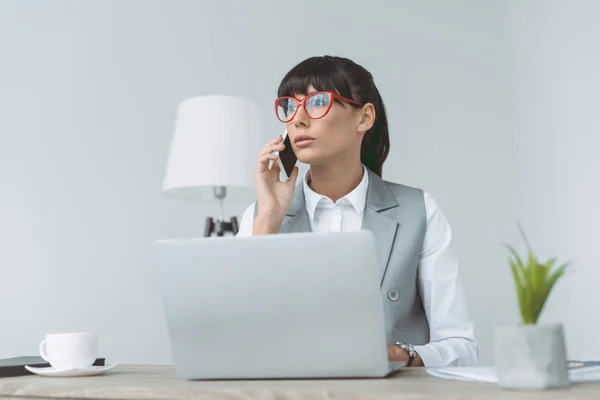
261 225
452 341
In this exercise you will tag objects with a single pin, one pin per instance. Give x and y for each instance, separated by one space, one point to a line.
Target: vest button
393 295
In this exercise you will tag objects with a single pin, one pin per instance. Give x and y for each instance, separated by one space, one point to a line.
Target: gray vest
396 215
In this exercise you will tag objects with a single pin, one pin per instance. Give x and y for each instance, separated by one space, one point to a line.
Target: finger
273 157
264 159
293 177
276 139
275 167
272 148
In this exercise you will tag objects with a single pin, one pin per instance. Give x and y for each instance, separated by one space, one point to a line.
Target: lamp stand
220 226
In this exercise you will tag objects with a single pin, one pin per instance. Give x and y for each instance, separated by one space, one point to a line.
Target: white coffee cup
70 350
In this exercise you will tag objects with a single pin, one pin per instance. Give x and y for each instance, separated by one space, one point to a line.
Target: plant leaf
525 238
518 263
534 280
541 277
548 285
519 289
516 256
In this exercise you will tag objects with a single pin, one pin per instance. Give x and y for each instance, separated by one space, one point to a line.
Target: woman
337 124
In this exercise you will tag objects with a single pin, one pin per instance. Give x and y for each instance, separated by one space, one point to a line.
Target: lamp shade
215 143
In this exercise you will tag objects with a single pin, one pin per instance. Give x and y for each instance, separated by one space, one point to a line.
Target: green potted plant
532 355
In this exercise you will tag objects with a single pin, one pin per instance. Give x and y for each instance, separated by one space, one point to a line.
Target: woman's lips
302 141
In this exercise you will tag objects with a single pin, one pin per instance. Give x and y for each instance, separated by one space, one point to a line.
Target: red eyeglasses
316 105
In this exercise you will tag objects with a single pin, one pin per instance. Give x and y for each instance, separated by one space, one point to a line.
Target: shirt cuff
430 355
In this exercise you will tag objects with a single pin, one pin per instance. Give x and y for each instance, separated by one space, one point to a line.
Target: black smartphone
287 157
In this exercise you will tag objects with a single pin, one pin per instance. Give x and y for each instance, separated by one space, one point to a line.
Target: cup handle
43 350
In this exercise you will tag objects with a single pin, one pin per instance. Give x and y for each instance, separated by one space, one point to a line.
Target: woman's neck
335 181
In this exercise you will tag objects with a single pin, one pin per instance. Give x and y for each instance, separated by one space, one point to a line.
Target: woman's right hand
272 196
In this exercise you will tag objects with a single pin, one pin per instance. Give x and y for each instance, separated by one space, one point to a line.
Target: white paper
488 374
469 374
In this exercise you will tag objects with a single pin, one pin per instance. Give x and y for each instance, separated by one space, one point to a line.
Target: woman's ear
367 118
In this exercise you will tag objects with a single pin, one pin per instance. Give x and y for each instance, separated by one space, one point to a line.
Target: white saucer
87 371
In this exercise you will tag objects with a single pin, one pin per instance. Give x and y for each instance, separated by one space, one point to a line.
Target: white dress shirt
451 329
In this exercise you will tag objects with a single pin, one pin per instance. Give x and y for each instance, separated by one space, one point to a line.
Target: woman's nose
301 118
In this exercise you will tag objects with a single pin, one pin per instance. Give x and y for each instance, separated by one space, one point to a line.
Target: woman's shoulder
401 186
404 190
412 193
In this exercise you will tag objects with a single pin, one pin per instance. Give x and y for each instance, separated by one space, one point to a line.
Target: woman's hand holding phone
273 196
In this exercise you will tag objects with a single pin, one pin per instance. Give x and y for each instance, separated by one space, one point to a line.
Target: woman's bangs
318 72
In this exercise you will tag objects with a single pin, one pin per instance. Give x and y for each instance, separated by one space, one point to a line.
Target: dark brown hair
348 79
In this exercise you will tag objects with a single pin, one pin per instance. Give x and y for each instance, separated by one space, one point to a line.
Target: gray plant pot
531 357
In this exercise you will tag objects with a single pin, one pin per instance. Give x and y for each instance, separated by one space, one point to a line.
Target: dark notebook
16 366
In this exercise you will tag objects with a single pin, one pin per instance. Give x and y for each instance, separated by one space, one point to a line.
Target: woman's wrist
417 362
266 223
396 353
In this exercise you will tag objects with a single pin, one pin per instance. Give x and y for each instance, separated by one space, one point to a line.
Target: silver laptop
301 305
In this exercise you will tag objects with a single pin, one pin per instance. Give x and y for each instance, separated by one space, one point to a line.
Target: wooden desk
160 382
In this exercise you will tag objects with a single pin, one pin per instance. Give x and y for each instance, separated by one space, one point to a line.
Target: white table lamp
213 154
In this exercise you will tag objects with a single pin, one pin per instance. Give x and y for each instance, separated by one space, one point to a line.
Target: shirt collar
357 197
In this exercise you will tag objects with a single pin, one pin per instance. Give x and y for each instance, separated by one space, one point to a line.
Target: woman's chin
308 159
309 155
313 156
